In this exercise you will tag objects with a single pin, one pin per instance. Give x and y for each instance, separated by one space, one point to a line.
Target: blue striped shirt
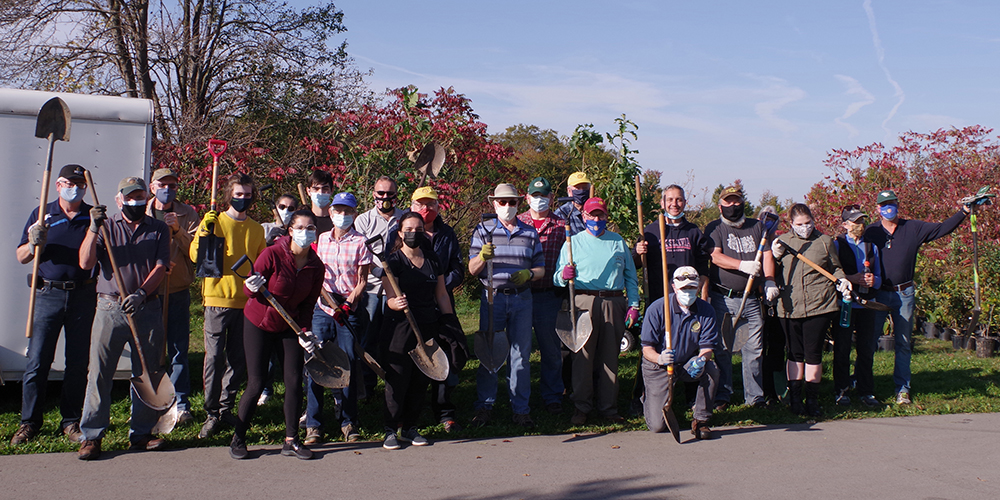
515 251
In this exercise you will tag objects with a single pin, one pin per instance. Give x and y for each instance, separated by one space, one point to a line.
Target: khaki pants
595 367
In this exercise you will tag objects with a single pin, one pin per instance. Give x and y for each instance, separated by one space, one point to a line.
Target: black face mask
732 213
240 204
134 213
413 239
386 205
580 196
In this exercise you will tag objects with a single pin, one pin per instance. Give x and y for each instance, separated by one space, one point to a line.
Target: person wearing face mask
807 304
182 220
735 238
65 298
862 265
225 365
578 188
320 193
899 241
606 286
293 273
346 260
517 257
545 301
142 251
694 338
285 205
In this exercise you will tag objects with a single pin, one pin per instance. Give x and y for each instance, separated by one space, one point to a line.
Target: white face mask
320 199
687 297
285 214
342 221
303 237
803 230
507 213
72 194
538 204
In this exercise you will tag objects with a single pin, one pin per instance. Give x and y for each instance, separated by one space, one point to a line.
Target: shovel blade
492 353
329 366
728 333
211 256
167 421
573 338
154 390
668 413
54 118
431 360
874 306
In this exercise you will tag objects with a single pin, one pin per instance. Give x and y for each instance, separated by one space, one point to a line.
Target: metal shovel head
492 355
329 366
211 255
54 118
434 363
728 332
573 339
668 413
167 421
154 389
431 159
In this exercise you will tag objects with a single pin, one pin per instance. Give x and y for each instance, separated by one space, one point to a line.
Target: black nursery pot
986 347
970 344
946 334
887 343
931 330
959 341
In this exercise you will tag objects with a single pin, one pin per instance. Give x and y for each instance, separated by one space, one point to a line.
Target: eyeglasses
386 194
686 277
506 203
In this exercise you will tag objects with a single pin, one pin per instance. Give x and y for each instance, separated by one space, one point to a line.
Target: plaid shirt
571 214
341 258
552 234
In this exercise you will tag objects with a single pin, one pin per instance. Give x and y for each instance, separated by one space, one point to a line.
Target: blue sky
757 90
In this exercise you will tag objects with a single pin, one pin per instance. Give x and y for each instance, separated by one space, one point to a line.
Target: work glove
133 301
486 253
308 341
341 313
98 215
844 287
771 291
631 317
777 249
568 273
274 233
695 366
750 267
210 219
37 234
521 277
255 282
666 357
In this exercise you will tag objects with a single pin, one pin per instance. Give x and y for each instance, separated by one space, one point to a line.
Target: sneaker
579 418
263 399
554 408
871 401
89 450
842 399
523 419
313 435
148 442
184 417
903 398
238 448
72 431
390 443
296 449
350 433
302 420
700 429
452 426
413 437
26 433
211 426
482 417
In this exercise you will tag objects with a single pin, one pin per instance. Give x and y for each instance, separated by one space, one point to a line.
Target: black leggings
258 345
405 384
804 337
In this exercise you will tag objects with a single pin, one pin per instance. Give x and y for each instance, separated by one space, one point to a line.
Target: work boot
482 417
25 433
89 450
700 429
72 431
313 436
812 400
211 426
795 397
148 442
523 420
296 449
351 434
579 418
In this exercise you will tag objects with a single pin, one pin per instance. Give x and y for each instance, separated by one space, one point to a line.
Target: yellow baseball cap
424 192
577 178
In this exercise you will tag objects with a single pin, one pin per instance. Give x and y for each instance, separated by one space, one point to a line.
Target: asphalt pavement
939 456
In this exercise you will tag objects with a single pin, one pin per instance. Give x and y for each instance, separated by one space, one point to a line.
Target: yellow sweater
242 237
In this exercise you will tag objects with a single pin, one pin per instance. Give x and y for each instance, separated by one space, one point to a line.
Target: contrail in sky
881 62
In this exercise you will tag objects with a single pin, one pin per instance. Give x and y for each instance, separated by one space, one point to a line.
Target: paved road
941 456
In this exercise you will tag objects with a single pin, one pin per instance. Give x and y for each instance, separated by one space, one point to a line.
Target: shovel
668 412
328 365
977 310
573 327
491 346
153 388
728 321
429 161
428 356
53 124
867 304
368 359
211 248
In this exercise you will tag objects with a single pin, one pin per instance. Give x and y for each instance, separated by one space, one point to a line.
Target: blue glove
695 366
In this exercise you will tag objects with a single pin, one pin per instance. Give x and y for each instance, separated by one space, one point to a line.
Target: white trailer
110 136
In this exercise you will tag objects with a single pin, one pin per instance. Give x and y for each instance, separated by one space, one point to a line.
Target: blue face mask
674 217
888 212
596 227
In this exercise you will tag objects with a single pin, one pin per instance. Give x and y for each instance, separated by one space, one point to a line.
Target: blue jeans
901 306
110 335
326 328
513 314
54 310
178 339
753 366
545 307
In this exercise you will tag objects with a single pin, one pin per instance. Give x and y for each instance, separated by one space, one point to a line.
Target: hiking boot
554 408
211 426
700 429
452 426
871 401
350 433
523 420
148 442
313 436
391 442
579 418
238 448
296 449
183 418
903 398
482 417
26 433
72 431
413 437
89 450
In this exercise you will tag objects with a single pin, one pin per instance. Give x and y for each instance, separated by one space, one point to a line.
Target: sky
721 90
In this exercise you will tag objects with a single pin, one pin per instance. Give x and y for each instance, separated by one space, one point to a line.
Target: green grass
944 381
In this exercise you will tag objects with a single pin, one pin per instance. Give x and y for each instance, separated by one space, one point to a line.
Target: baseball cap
540 186
852 213
424 192
130 184
577 178
595 204
504 191
164 172
887 195
345 199
73 171
685 276
732 190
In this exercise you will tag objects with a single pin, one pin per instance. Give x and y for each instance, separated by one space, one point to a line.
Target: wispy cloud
880 53
854 88
779 94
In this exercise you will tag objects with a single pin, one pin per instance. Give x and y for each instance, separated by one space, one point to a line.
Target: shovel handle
571 284
642 258
667 329
43 200
215 148
304 195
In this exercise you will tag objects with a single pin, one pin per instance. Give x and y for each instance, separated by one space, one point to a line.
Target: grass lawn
944 381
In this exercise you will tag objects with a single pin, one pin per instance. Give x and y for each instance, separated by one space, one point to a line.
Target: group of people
380 274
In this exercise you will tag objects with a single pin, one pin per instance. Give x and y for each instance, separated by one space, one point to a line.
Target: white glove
254 282
844 287
750 267
666 357
777 249
771 291
308 341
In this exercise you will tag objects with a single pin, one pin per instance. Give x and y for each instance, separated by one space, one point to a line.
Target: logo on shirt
678 244
696 327
745 244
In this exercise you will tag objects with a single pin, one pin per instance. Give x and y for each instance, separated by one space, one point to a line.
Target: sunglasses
285 207
506 203
386 194
686 277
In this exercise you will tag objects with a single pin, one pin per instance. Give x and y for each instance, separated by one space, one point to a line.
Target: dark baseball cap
885 196
73 172
130 184
540 186
733 190
852 213
164 172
